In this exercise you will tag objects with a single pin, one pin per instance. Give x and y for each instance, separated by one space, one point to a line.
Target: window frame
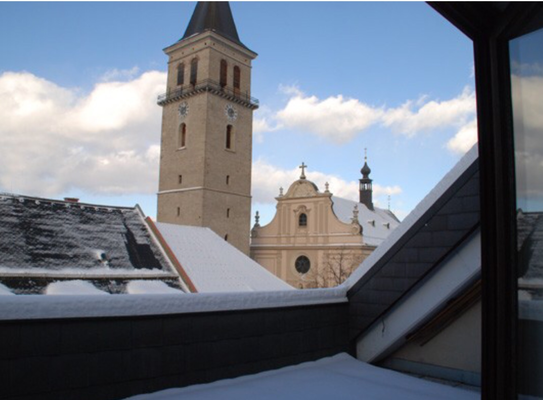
223 74
302 224
230 138
181 74
237 79
194 71
182 136
491 28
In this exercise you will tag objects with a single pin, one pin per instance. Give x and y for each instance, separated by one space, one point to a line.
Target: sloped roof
341 377
438 226
213 16
529 244
376 224
47 240
213 265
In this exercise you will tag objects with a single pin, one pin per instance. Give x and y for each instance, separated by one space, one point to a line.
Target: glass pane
527 95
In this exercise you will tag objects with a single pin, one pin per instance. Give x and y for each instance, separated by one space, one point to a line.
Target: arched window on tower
193 71
181 74
237 79
302 220
229 137
182 141
224 73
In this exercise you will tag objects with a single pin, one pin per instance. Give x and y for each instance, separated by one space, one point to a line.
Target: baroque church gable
302 188
312 230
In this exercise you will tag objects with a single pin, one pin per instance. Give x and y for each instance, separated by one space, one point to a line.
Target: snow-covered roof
213 265
337 377
45 241
376 224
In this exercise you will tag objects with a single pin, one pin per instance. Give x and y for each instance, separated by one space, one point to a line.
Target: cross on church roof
303 167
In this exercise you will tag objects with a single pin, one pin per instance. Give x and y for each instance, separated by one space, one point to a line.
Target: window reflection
527 95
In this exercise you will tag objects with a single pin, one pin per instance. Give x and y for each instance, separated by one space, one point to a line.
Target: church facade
206 144
317 239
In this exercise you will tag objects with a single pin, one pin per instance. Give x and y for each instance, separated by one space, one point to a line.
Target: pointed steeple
366 190
213 16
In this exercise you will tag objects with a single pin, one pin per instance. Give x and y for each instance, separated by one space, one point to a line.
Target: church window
178 211
227 213
224 70
302 264
230 137
182 136
180 74
180 179
237 79
226 237
302 220
228 179
193 71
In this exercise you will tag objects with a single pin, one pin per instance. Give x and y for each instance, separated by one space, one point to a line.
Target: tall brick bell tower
207 122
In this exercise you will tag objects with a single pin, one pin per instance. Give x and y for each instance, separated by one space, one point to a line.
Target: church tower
207 120
366 189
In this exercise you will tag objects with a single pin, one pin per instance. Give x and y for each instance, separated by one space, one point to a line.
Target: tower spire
213 16
366 191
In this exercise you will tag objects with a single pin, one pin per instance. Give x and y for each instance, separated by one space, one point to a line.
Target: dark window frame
237 79
194 71
181 74
182 135
302 220
223 78
229 145
491 26
302 264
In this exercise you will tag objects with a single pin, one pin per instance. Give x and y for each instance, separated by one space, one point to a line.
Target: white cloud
415 117
340 119
120 74
267 179
53 138
528 126
335 118
464 139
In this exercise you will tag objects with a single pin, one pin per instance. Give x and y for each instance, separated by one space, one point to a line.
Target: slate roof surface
443 220
530 247
43 240
213 16
376 224
213 265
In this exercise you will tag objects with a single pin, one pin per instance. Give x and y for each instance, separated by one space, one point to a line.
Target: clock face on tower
183 109
230 112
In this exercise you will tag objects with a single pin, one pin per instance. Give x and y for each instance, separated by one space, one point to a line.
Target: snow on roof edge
442 186
30 307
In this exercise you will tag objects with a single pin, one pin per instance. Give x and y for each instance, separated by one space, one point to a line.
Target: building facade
206 145
317 239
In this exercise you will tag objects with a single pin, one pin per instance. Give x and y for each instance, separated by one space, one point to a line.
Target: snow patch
337 377
150 287
73 288
85 273
81 306
4 290
214 265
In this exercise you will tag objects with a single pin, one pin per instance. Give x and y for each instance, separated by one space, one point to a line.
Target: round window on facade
302 264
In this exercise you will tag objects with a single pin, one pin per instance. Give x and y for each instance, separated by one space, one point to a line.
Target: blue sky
78 87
